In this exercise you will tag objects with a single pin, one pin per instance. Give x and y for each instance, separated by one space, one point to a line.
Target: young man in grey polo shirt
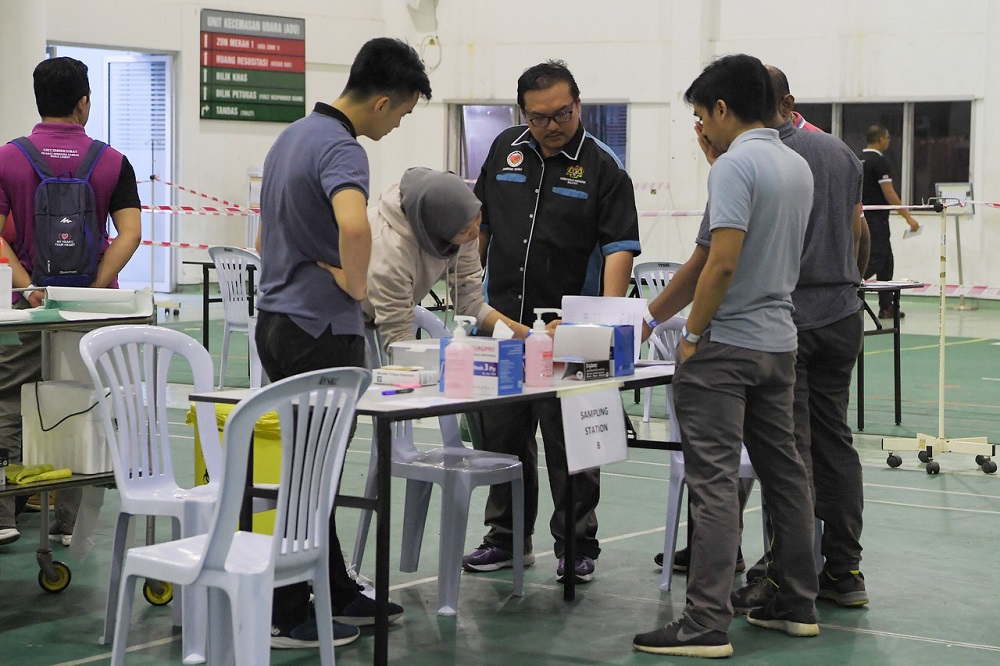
736 385
315 244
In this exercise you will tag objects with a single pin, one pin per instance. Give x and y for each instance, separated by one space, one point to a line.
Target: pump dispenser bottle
538 352
458 362
6 283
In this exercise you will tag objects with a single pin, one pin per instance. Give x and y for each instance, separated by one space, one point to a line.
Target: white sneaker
9 535
59 537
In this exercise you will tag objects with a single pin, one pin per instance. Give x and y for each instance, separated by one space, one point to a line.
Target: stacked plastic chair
232 267
128 366
240 569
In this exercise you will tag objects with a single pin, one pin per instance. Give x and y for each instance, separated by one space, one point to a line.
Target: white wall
645 52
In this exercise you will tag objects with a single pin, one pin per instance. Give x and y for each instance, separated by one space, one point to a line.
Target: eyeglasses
561 117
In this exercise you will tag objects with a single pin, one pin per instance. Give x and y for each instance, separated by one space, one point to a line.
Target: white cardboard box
67 431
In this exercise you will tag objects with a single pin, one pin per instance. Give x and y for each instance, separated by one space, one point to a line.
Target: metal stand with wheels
927 445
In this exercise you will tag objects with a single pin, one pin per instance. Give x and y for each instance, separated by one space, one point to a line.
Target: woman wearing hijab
425 228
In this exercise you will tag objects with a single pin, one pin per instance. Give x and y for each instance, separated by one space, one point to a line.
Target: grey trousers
725 395
511 429
19 364
823 371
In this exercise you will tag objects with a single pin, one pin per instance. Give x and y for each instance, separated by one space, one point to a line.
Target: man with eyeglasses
559 218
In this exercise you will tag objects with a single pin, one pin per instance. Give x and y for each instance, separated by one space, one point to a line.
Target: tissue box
499 365
405 374
78 441
595 351
419 353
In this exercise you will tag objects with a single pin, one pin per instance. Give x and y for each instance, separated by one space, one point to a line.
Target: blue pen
395 391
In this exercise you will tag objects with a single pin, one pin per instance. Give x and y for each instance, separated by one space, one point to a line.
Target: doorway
132 110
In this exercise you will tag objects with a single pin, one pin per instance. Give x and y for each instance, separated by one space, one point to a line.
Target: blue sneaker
492 558
584 569
306 635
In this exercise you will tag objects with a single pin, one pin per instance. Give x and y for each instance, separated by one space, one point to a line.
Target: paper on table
15 315
501 331
76 303
606 310
909 233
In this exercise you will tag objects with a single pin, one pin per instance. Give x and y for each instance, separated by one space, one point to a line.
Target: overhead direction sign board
252 67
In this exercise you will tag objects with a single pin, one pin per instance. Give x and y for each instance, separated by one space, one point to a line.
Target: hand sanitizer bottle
6 283
538 353
458 362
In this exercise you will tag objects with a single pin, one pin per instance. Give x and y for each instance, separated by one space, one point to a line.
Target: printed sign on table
593 425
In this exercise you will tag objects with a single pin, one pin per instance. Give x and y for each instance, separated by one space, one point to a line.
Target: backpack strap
90 158
34 157
41 166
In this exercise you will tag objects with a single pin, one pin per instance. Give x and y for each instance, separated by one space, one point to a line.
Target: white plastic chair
665 338
231 267
651 278
457 469
240 569
132 363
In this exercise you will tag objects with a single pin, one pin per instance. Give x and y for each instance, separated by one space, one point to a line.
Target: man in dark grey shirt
830 332
315 244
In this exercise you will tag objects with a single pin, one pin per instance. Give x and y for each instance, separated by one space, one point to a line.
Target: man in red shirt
62 95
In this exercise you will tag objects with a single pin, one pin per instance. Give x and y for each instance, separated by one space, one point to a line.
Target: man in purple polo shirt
315 244
62 95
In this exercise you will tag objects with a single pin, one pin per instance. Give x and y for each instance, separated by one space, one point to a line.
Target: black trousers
511 429
286 350
880 262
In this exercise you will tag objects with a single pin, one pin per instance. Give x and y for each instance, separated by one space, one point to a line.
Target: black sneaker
794 624
682 560
758 570
361 612
679 638
306 635
753 595
845 590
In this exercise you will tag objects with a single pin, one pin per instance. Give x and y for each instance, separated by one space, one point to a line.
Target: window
933 148
820 115
857 118
479 124
941 145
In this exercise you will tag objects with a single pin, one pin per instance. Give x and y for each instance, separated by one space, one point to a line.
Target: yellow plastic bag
23 474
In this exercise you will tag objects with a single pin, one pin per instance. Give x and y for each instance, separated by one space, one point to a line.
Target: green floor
929 545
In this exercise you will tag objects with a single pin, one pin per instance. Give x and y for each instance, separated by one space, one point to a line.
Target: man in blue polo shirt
315 244
736 373
558 218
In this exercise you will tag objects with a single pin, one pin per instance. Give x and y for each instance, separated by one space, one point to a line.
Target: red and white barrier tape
195 192
202 210
186 246
183 246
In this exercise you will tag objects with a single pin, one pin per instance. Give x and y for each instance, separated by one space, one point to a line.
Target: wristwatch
689 336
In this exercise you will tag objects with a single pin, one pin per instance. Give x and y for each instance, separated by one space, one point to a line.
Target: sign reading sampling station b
253 67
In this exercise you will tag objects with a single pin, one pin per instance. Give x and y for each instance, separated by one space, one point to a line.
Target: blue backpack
68 235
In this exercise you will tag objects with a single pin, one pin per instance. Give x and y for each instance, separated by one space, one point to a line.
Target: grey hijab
438 205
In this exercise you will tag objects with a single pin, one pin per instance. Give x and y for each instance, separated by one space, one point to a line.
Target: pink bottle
538 353
458 363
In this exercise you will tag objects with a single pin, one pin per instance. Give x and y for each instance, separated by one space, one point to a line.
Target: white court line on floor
134 648
951 493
